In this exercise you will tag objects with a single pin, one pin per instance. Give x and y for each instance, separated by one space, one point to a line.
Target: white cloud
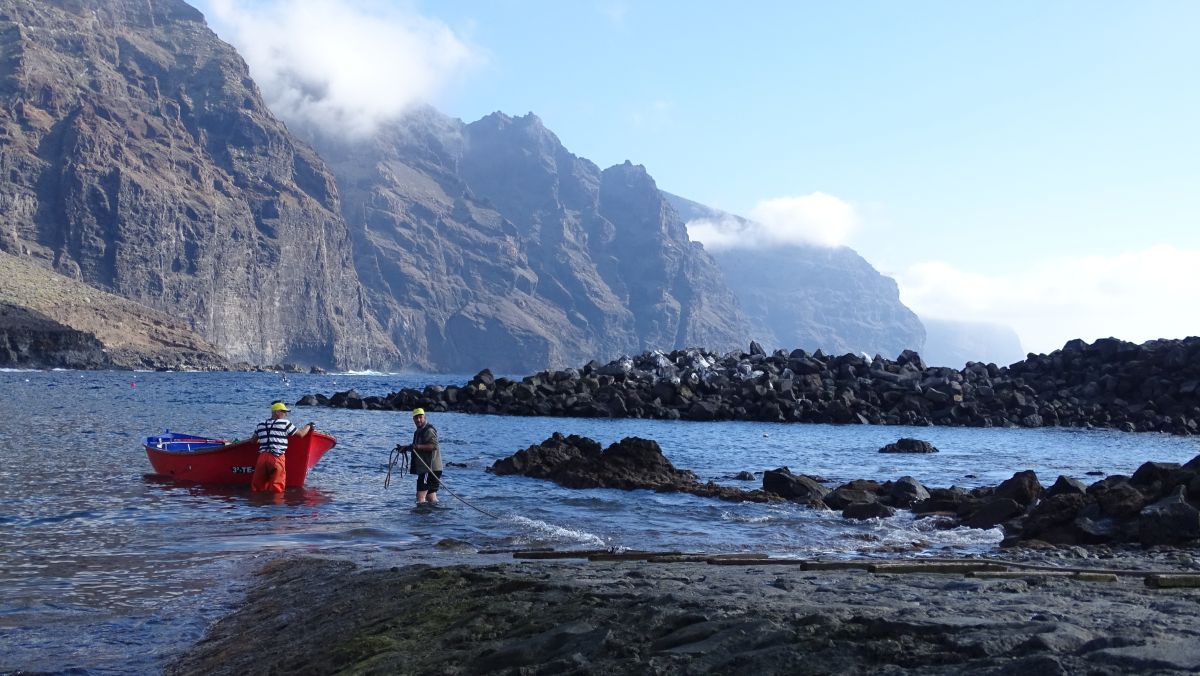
816 218
343 65
1135 296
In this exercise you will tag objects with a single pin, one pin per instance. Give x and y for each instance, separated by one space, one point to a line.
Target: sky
1029 163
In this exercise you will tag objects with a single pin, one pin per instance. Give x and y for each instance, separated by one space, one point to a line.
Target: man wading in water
427 459
270 472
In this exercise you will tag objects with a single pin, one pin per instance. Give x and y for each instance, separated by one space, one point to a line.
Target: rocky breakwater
1110 383
1152 507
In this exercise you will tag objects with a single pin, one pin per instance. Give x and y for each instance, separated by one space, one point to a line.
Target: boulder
909 445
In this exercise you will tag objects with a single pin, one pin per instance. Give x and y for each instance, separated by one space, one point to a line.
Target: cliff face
812 297
490 245
138 157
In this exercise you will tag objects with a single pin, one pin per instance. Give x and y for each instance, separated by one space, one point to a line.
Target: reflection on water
106 568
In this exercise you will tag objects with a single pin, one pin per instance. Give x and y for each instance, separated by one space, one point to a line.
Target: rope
442 484
397 452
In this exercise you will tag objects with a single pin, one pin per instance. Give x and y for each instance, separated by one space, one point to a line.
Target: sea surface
105 568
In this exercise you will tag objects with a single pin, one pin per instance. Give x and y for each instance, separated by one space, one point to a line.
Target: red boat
216 461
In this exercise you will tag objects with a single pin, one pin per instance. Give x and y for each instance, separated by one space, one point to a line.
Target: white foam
553 532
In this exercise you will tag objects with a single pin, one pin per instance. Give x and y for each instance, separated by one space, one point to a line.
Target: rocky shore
1157 505
1028 614
1109 384
1030 607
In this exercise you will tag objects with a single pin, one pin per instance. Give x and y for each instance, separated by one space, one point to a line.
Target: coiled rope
398 453
404 451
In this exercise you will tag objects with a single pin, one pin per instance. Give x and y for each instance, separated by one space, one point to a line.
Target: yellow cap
418 411
279 406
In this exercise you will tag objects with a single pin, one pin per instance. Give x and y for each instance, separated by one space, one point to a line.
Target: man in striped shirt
270 472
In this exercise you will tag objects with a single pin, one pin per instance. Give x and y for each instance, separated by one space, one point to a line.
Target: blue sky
1034 164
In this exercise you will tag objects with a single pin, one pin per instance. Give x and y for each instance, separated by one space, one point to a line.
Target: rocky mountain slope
813 297
50 321
139 157
490 244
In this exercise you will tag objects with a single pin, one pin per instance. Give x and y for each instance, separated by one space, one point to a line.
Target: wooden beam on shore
555 554
631 556
705 558
957 568
1172 581
752 561
514 551
1018 574
1094 577
1043 567
973 567
837 565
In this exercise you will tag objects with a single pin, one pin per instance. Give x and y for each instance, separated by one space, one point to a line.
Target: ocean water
105 568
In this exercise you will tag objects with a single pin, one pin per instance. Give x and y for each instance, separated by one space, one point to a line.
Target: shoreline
687 615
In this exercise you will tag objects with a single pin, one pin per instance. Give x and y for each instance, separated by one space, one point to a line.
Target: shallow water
105 568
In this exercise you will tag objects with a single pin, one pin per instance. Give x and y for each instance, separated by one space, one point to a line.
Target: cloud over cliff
816 218
344 66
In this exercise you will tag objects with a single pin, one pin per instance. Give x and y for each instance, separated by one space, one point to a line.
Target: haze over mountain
808 296
954 343
141 160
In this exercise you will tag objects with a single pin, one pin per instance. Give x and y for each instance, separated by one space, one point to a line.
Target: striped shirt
273 435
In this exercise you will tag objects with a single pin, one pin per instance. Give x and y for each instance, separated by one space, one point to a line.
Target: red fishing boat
189 457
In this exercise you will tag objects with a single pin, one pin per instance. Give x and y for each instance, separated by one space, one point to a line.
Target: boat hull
215 461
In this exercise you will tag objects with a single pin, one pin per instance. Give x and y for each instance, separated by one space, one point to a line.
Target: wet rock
906 491
794 487
632 463
1023 488
908 445
1171 520
1066 485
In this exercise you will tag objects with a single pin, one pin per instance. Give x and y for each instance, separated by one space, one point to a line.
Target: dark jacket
426 460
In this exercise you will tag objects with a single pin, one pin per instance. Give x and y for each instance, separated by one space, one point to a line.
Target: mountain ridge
144 162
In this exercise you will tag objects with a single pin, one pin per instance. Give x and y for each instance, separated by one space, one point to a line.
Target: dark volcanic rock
1108 512
632 463
1151 387
909 445
631 618
798 488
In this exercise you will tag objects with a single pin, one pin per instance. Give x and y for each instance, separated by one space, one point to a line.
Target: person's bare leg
432 498
421 497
